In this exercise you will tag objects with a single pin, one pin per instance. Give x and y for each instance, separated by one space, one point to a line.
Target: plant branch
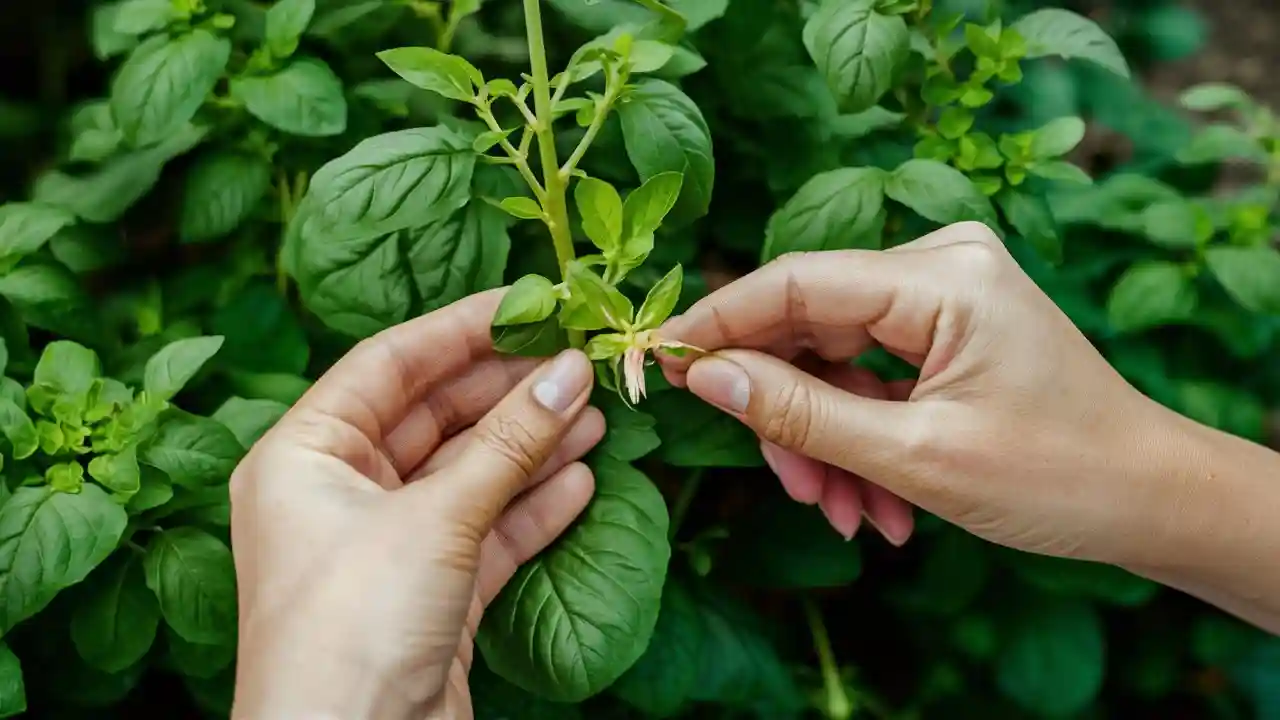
529 117
614 84
519 158
838 706
555 203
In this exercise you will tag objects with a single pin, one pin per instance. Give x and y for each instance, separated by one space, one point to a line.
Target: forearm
1217 501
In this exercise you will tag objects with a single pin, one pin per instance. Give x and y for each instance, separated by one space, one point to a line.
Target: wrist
1209 517
314 675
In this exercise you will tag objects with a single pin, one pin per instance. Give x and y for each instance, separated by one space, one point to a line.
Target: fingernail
766 449
846 526
896 542
721 383
562 382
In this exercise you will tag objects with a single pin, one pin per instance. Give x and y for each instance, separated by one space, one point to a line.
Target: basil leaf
18 428
67 367
193 577
193 451
197 660
836 210
304 98
601 209
599 586
857 50
50 541
115 618
1151 294
648 205
661 300
164 82
939 192
387 183
249 420
531 299
1030 215
664 131
285 23
169 370
1251 275
1064 34
26 227
434 71
221 192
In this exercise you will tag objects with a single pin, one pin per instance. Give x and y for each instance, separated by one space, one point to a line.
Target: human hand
1017 430
371 529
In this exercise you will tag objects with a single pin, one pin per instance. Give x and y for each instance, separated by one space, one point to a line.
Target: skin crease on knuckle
514 441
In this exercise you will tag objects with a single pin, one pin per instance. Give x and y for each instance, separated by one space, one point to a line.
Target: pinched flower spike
634 360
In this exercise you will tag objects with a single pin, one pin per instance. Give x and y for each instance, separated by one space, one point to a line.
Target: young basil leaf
194 579
593 304
115 619
1057 138
601 209
118 472
607 346
26 227
305 98
857 50
56 540
487 139
193 451
221 192
531 299
432 70
648 205
617 554
13 690
543 338
286 21
940 193
836 210
1060 170
661 300
522 207
169 370
164 82
664 131
67 367
1062 33
1211 97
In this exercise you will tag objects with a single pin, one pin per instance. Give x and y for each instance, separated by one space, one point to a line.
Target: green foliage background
164 298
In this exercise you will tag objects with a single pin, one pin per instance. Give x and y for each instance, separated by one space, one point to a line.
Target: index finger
837 303
373 387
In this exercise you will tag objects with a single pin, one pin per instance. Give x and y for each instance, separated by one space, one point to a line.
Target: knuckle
513 441
977 260
976 232
788 417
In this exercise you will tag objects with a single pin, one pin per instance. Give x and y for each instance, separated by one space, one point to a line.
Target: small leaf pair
624 231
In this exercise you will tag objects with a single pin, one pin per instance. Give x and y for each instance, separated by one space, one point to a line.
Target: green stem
687 492
838 705
602 113
555 205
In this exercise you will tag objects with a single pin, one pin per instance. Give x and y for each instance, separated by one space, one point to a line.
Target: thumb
515 439
791 408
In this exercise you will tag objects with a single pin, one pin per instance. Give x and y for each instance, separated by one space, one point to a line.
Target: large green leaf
575 618
385 184
836 210
858 50
116 616
26 227
194 579
1053 661
787 545
721 441
664 131
304 98
164 82
169 370
50 541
